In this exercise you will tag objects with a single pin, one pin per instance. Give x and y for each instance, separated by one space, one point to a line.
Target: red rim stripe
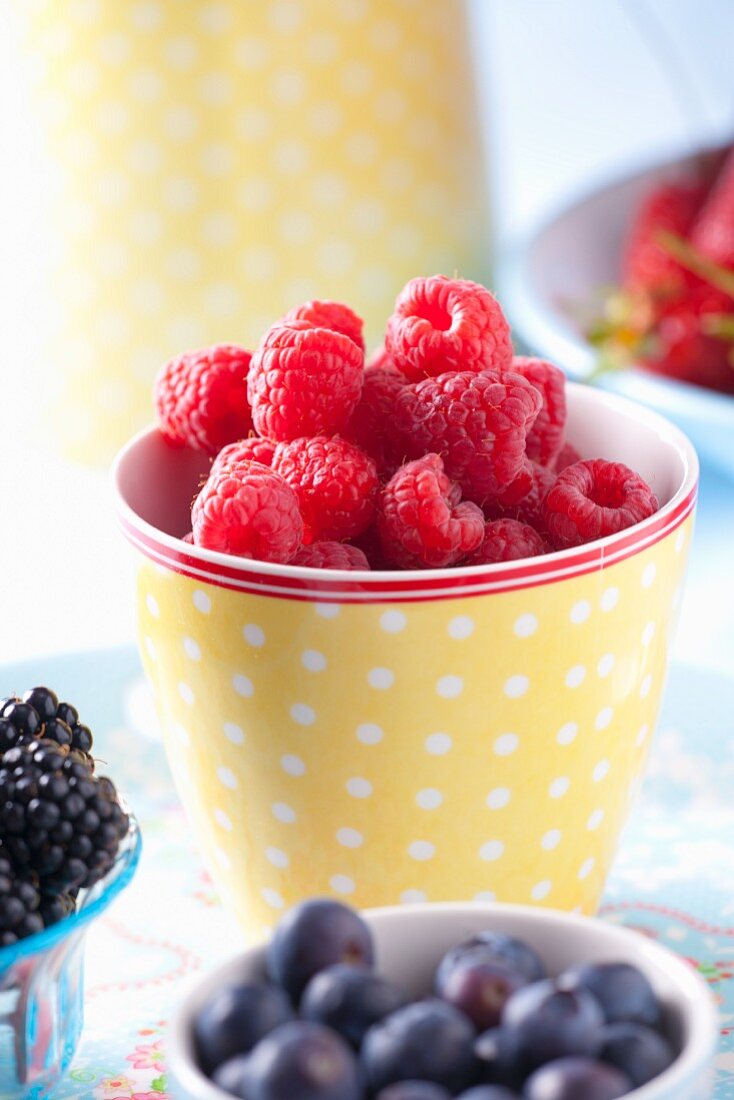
455 584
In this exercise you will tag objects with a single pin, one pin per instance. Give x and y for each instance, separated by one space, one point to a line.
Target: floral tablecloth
673 879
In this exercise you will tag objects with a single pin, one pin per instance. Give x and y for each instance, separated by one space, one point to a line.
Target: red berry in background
201 398
372 424
507 540
252 449
566 457
478 423
646 264
335 482
441 324
529 508
421 520
712 232
249 510
331 555
682 346
303 381
332 315
594 498
545 437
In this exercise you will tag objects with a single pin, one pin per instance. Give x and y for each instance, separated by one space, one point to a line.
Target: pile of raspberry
444 449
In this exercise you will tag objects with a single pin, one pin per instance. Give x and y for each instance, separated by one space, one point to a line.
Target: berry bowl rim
442 924
96 901
305 582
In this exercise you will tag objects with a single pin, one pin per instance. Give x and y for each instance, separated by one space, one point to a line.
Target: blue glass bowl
42 988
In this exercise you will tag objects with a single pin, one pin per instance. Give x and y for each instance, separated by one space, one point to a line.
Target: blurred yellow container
213 163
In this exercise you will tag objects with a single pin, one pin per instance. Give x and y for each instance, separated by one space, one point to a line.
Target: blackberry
54 907
56 817
19 904
39 714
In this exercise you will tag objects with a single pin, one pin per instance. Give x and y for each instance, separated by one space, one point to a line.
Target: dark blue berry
67 713
350 1000
313 935
426 1041
550 1023
497 1051
413 1090
622 990
488 1092
23 716
56 730
636 1050
230 1076
235 1019
44 702
576 1079
479 987
515 953
302 1060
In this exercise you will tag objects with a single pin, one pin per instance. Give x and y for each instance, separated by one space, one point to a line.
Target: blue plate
555 273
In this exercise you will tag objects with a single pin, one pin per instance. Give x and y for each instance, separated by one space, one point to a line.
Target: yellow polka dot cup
471 733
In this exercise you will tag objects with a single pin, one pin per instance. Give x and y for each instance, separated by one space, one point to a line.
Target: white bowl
410 941
576 252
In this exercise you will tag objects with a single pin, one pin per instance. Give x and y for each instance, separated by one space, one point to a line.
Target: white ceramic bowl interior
410 941
577 251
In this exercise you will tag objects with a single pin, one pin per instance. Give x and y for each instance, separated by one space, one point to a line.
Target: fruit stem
690 258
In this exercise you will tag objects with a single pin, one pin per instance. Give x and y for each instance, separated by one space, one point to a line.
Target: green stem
690 258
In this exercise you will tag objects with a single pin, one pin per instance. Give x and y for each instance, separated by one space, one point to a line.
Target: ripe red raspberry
507 540
647 265
442 324
333 315
331 555
528 508
545 438
566 457
712 232
252 449
421 521
201 397
595 498
249 510
682 346
372 424
478 423
336 485
303 381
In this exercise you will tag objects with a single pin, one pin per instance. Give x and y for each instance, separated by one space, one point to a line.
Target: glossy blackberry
44 701
40 714
19 902
23 716
55 907
56 817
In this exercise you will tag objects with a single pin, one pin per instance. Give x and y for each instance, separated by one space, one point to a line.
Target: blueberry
488 1092
413 1090
479 987
622 990
313 935
44 702
350 1000
428 1041
235 1019
549 1022
517 954
576 1079
638 1051
230 1076
302 1060
497 1051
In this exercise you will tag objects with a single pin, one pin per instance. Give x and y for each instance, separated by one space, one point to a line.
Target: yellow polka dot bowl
471 733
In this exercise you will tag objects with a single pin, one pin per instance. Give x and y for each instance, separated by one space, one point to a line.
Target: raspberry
249 510
566 457
379 358
372 424
252 449
332 315
478 423
528 509
647 265
682 347
421 521
595 498
712 232
303 381
331 555
442 324
507 540
545 438
336 485
201 398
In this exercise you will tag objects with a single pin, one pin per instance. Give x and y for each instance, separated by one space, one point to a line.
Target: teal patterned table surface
673 879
